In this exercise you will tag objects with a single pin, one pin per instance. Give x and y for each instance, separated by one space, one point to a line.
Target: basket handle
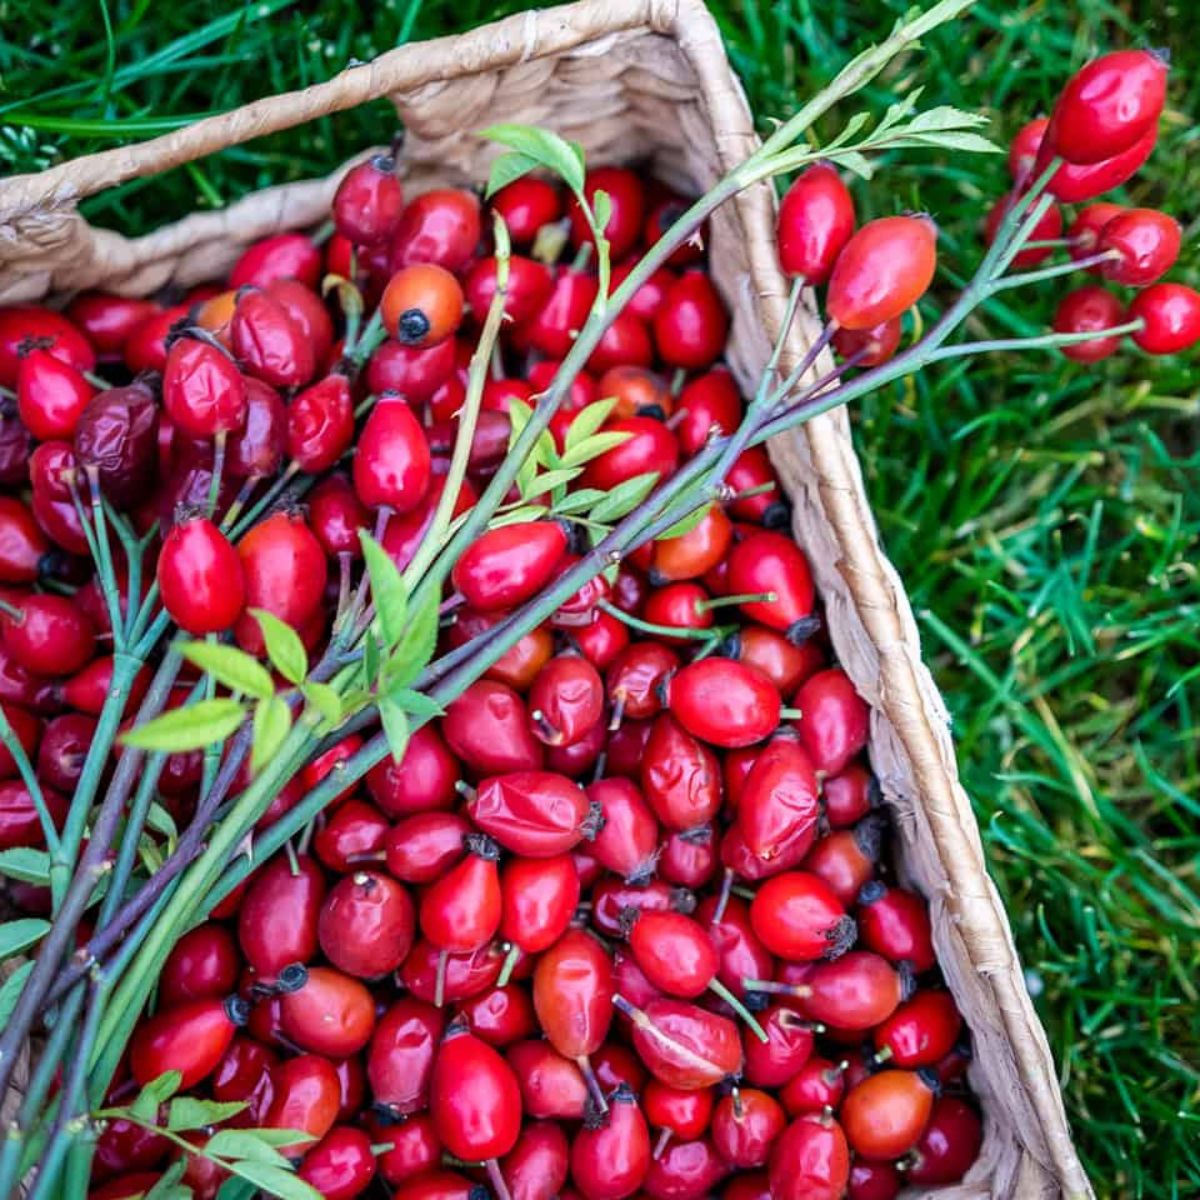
45 245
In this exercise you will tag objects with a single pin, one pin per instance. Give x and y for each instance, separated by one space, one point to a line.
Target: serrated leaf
186 1112
230 667
387 589
26 864
853 161
326 701
416 704
284 647
11 990
601 209
943 117
624 498
545 147
16 936
506 169
192 727
685 524
168 1186
851 129
547 481
249 1144
593 447
156 1092
395 727
161 821
970 143
277 1181
579 501
588 420
272 723
417 646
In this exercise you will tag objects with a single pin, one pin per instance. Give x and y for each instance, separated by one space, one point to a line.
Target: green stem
719 989
33 785
1044 341
489 338
674 631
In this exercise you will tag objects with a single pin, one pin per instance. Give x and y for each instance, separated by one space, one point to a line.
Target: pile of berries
619 922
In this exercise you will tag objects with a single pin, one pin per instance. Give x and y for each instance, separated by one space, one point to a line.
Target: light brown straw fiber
642 81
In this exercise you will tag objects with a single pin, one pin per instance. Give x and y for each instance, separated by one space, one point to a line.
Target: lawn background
1043 516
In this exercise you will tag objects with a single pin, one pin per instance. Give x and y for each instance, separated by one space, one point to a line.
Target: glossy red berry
1089 309
1073 183
882 271
691 326
573 994
23 546
284 256
798 917
552 331
680 777
203 391
422 305
529 286
307 1097
745 1127
855 992
278 918
51 395
420 848
320 424
949 1145
1108 105
873 1181
538 1165
921 1032
424 779
707 402
534 813
341 1165
326 1011
488 727
505 567
682 1045
1023 150
1084 232
816 220
367 204
649 446
779 802
526 205
846 858
367 924
268 343
285 572
401 1054
48 634
818 1084
772 565
674 952
22 323
1170 313
724 702
441 227
502 1015
626 196
810 1161
552 1087
460 911
869 347
190 1039
539 898
1146 242
885 1114
834 719
200 578
895 922
392 462
203 963
474 1098
610 1156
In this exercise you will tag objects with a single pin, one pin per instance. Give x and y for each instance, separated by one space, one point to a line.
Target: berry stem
718 988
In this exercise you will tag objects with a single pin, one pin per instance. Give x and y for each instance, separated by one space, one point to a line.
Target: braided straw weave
642 81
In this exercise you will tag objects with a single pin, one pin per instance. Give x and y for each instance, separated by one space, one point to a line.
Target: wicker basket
643 80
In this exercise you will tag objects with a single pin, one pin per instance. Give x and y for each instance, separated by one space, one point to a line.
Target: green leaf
506 169
372 656
284 647
12 989
547 481
272 723
237 1189
579 501
944 117
16 936
26 864
187 1112
168 1186
417 646
601 209
853 161
189 728
326 701
685 524
594 446
526 512
387 589
416 704
588 421
161 821
230 667
624 498
156 1092
277 1181
395 727
546 148
250 1144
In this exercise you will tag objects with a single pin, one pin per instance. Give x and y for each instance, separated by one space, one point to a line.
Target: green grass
1043 516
